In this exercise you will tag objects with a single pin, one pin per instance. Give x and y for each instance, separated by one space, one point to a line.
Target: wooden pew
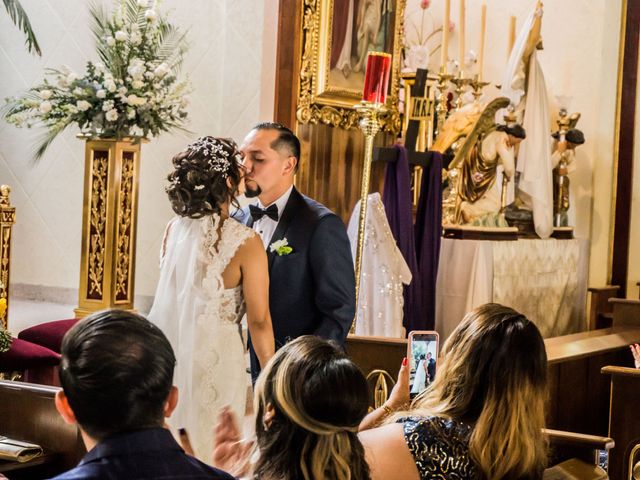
600 310
28 413
624 421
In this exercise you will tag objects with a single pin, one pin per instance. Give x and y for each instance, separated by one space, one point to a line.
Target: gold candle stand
477 85
7 220
441 109
107 265
460 82
370 123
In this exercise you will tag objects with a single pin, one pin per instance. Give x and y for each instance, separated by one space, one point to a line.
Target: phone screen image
424 352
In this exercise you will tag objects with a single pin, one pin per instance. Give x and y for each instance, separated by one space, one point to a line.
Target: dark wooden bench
28 413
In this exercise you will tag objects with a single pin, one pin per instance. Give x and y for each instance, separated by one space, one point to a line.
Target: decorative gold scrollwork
98 221
124 227
381 389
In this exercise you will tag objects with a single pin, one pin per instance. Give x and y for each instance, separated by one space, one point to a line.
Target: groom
312 282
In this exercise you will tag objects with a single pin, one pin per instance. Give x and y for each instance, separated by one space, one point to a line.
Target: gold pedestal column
7 219
109 218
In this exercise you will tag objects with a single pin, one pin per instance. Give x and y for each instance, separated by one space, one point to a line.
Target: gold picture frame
324 96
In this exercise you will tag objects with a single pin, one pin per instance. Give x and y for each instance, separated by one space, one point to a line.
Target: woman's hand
399 397
635 350
230 452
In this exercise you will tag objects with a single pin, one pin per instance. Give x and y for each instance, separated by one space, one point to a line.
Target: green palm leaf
21 20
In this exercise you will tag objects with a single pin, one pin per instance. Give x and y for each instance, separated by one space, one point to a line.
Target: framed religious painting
337 35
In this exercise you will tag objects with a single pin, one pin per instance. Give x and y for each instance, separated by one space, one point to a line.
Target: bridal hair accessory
219 152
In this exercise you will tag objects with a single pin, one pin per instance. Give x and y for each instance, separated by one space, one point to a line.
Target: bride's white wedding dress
201 319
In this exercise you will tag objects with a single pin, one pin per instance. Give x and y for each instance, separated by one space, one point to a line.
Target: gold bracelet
387 410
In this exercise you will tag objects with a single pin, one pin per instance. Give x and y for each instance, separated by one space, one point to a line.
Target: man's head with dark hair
117 374
286 140
271 154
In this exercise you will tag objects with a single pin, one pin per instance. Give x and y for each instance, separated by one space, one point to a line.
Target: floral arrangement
133 91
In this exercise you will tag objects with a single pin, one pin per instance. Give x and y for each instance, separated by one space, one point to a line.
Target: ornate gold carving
7 219
98 222
124 245
107 266
319 103
381 388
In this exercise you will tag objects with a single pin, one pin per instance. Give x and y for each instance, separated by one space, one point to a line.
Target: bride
212 270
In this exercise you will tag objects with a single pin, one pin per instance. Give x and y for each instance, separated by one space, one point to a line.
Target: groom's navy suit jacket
312 289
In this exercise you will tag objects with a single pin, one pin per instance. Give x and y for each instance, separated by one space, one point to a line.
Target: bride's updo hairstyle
319 397
205 175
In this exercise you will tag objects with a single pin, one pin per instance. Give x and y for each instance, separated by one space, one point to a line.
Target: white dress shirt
266 227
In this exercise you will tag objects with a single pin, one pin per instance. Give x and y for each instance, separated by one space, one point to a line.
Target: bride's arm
255 284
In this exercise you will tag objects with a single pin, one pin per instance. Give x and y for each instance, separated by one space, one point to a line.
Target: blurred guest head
116 373
309 401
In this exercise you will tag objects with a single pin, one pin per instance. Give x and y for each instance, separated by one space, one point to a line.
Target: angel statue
487 146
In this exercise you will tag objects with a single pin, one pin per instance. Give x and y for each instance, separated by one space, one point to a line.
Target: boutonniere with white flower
281 247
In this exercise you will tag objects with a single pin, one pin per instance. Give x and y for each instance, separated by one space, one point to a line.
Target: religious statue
487 146
566 139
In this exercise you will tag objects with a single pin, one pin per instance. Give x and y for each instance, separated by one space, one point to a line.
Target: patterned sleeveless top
440 447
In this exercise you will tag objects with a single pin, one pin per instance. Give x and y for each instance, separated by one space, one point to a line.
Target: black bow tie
257 213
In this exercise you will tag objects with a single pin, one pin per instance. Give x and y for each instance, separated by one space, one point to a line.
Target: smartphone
423 357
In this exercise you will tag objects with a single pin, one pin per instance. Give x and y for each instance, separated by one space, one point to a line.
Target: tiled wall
231 65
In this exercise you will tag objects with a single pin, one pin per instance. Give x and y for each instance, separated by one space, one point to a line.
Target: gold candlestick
460 82
441 108
370 123
477 85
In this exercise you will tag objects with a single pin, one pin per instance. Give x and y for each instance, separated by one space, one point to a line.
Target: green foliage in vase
132 91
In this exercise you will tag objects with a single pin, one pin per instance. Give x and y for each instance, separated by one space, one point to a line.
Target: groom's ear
291 165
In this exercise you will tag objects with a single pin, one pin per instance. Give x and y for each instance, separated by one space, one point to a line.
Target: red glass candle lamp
376 80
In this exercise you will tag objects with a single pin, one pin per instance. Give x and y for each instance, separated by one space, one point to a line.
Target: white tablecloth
546 280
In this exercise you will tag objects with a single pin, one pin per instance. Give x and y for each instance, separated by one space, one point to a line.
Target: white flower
83 105
135 38
150 15
131 113
99 66
110 85
73 76
136 131
107 105
45 94
136 69
78 91
161 70
122 90
121 36
278 244
142 3
112 115
135 100
45 107
111 41
101 93
137 84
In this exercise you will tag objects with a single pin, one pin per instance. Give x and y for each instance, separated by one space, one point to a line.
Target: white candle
512 35
444 54
462 22
483 26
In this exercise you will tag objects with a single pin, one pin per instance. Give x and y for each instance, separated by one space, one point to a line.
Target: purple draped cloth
428 232
420 246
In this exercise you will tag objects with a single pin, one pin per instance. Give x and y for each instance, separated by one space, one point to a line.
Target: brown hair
319 397
205 175
494 376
